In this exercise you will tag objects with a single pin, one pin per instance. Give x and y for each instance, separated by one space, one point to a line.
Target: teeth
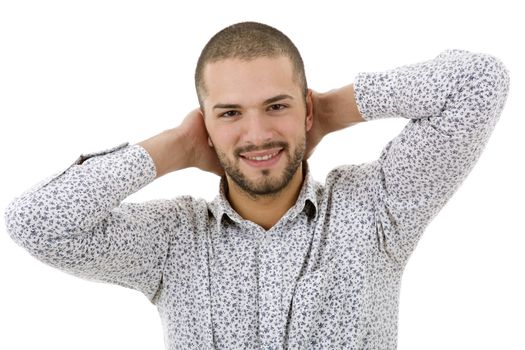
266 157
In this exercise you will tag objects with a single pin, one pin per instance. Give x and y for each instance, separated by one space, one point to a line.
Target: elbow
26 224
492 74
475 66
499 67
486 88
496 78
19 224
478 92
13 219
503 75
33 229
498 73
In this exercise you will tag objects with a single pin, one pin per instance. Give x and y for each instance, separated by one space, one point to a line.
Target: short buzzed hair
248 41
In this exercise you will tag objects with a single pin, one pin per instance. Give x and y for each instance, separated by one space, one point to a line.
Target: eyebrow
268 101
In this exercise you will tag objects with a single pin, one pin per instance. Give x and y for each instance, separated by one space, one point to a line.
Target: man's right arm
75 220
183 147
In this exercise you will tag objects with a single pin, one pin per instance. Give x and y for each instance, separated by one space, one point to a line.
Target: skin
246 114
255 108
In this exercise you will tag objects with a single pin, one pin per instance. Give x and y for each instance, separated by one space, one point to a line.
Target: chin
264 184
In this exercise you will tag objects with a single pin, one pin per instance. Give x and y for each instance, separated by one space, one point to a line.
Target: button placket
270 290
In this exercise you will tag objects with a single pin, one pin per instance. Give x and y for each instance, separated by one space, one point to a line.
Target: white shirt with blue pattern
327 275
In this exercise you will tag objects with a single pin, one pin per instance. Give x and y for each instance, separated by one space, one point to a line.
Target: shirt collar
308 199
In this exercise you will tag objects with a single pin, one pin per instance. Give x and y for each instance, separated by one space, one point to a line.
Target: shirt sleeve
75 221
453 103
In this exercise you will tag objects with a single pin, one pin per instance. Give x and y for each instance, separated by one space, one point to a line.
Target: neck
265 211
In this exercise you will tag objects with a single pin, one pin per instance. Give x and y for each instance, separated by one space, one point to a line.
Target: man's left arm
453 103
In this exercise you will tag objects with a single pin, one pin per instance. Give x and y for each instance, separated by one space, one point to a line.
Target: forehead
240 81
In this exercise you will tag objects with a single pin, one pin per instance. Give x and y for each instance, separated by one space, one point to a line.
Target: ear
309 110
204 120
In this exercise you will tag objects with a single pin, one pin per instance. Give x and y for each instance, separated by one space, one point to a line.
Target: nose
258 128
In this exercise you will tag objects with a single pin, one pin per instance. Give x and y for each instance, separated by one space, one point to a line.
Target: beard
268 185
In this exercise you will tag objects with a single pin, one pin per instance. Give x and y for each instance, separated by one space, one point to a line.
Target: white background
81 76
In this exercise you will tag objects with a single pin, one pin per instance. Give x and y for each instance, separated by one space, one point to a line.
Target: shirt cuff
138 159
374 94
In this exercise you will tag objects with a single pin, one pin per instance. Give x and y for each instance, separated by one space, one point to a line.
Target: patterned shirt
327 274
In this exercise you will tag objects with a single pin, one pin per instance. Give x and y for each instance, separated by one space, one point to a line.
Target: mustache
269 145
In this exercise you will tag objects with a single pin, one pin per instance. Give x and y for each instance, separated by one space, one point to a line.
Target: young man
277 260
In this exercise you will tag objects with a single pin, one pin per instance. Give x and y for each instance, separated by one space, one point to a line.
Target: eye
277 107
229 114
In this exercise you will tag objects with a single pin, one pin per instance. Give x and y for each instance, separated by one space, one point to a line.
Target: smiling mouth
265 158
261 157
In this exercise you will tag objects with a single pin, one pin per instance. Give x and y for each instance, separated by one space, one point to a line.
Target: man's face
257 120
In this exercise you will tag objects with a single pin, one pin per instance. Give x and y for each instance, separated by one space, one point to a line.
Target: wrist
167 151
340 108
